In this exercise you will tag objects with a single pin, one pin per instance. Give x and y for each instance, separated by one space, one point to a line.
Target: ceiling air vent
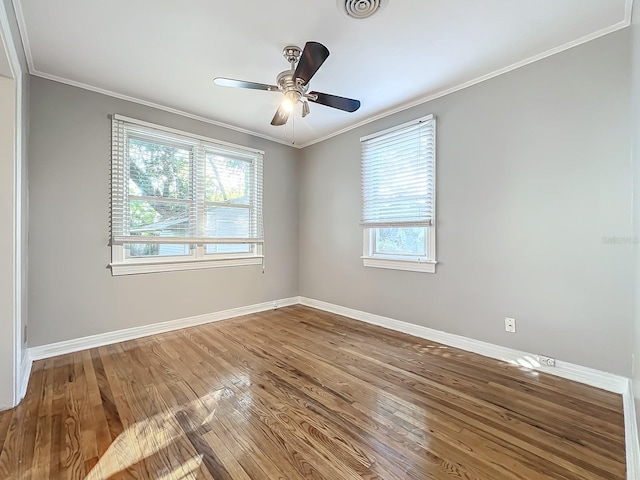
360 9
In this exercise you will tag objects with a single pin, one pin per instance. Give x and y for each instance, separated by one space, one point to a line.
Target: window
181 201
398 197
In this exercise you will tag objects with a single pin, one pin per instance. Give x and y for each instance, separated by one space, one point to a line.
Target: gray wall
533 171
71 292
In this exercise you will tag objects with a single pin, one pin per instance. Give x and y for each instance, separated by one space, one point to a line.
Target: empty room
338 239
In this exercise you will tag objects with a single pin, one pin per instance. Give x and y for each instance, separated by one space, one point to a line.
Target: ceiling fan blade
341 103
313 56
281 117
230 82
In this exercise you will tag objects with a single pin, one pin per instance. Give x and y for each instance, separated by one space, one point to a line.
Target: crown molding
10 46
22 30
158 106
386 113
424 99
628 11
22 27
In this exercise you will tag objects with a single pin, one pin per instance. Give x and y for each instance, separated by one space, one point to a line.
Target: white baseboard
77 344
589 376
632 441
23 380
25 373
578 373
596 378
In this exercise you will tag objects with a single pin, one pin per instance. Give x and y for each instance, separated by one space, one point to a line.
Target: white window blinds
169 187
398 176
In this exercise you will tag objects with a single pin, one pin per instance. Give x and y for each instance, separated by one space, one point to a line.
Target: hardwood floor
299 393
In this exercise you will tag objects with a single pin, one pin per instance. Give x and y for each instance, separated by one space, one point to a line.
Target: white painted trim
589 376
25 373
628 10
131 268
25 42
18 259
424 119
426 266
92 341
12 51
631 433
427 98
189 137
596 378
159 106
22 28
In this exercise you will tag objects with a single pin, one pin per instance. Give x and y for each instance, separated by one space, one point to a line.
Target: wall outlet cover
510 325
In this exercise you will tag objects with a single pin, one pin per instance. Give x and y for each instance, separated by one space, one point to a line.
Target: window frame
197 258
416 263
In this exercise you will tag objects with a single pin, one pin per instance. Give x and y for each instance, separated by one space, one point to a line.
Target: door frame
19 350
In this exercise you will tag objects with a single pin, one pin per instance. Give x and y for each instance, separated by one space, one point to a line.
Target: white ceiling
166 52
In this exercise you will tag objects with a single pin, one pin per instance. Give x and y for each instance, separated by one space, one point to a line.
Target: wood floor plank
5 422
18 450
486 406
392 437
281 385
305 458
297 393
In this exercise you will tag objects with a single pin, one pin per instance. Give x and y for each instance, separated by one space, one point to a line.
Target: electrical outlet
546 361
510 325
275 304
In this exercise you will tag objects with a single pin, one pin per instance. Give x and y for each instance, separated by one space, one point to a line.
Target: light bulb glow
287 105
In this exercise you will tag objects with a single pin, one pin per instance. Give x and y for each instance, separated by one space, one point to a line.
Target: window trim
399 262
423 264
198 258
182 264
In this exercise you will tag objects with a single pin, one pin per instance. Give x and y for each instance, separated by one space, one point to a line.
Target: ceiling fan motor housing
292 53
292 90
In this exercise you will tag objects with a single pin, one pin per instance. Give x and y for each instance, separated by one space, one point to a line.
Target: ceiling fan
294 83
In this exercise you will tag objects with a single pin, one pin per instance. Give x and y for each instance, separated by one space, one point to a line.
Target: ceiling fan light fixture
361 9
291 98
287 105
294 83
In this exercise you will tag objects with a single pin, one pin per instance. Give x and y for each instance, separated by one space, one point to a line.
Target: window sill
175 266
395 264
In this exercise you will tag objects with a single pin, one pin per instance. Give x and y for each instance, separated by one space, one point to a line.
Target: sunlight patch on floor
145 438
